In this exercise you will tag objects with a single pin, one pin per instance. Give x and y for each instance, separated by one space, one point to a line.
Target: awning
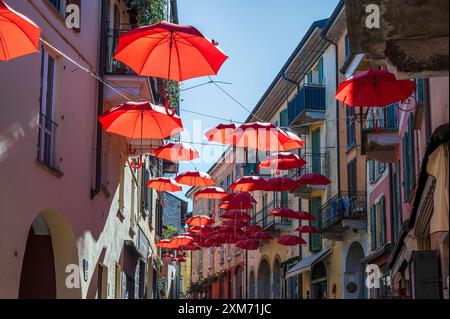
307 263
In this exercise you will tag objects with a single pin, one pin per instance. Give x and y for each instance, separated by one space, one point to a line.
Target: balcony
341 213
308 105
129 84
273 224
381 138
316 163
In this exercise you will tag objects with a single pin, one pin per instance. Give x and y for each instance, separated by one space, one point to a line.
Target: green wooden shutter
373 228
412 160
321 71
405 168
383 220
315 137
284 122
315 240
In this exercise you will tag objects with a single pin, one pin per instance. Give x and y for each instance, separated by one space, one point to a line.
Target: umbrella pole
169 112
139 165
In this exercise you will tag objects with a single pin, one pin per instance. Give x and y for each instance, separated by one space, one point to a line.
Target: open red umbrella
249 244
284 213
19 35
176 152
199 220
305 216
374 88
307 229
282 161
313 179
254 229
281 184
293 142
211 192
170 51
167 255
232 205
195 179
260 235
240 197
236 215
164 243
260 136
191 247
291 240
235 223
164 184
180 260
181 241
222 133
249 184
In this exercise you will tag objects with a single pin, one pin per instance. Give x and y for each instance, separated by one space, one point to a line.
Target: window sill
49 169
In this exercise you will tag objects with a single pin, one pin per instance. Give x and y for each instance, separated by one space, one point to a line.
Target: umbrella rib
26 34
203 55
178 59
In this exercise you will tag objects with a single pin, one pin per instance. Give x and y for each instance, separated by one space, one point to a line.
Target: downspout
338 143
101 72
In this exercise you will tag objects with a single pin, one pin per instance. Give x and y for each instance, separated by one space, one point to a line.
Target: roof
333 17
305 264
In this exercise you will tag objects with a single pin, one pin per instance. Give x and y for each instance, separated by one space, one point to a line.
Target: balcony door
315 150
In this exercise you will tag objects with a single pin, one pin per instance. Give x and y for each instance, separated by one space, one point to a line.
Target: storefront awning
307 263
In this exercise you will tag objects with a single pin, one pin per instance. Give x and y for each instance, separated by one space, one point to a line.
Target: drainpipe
338 144
102 59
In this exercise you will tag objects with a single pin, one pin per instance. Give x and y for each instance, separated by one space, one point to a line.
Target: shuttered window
373 228
382 220
284 121
320 66
409 170
315 240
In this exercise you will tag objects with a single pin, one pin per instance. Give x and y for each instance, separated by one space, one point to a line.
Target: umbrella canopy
294 142
232 205
284 213
211 192
374 88
222 133
282 184
200 230
181 241
164 184
199 220
291 240
164 243
167 255
254 229
140 120
305 216
307 229
176 152
260 136
170 51
249 184
236 215
19 35
260 235
282 161
195 179
239 197
180 260
235 223
249 244
313 179
190 247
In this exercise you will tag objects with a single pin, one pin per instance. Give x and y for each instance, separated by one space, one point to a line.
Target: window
409 170
398 218
47 124
316 152
146 193
238 171
376 169
378 223
284 120
315 240
351 175
351 127
200 261
211 257
320 72
347 51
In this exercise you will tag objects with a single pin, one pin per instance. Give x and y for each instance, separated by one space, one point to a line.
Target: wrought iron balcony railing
344 206
316 163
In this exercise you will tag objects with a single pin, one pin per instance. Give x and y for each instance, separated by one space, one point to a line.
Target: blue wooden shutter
373 228
383 220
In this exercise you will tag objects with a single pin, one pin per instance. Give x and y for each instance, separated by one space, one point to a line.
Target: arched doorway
319 282
237 282
276 280
354 273
50 266
251 286
263 283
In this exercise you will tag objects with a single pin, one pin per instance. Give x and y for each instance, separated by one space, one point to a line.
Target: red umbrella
140 120
211 192
260 235
236 215
164 243
284 213
181 255
281 184
200 220
249 244
190 247
282 161
195 179
249 184
170 51
19 35
374 88
222 133
254 229
180 260
235 205
307 229
181 241
199 229
305 216
313 179
235 223
239 197
293 142
164 184
260 136
167 255
291 240
176 152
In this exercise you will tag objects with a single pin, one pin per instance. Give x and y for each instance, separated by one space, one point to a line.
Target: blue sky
258 36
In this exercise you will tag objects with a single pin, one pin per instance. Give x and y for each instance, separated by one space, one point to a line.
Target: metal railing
344 206
114 67
316 163
263 219
385 118
308 98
